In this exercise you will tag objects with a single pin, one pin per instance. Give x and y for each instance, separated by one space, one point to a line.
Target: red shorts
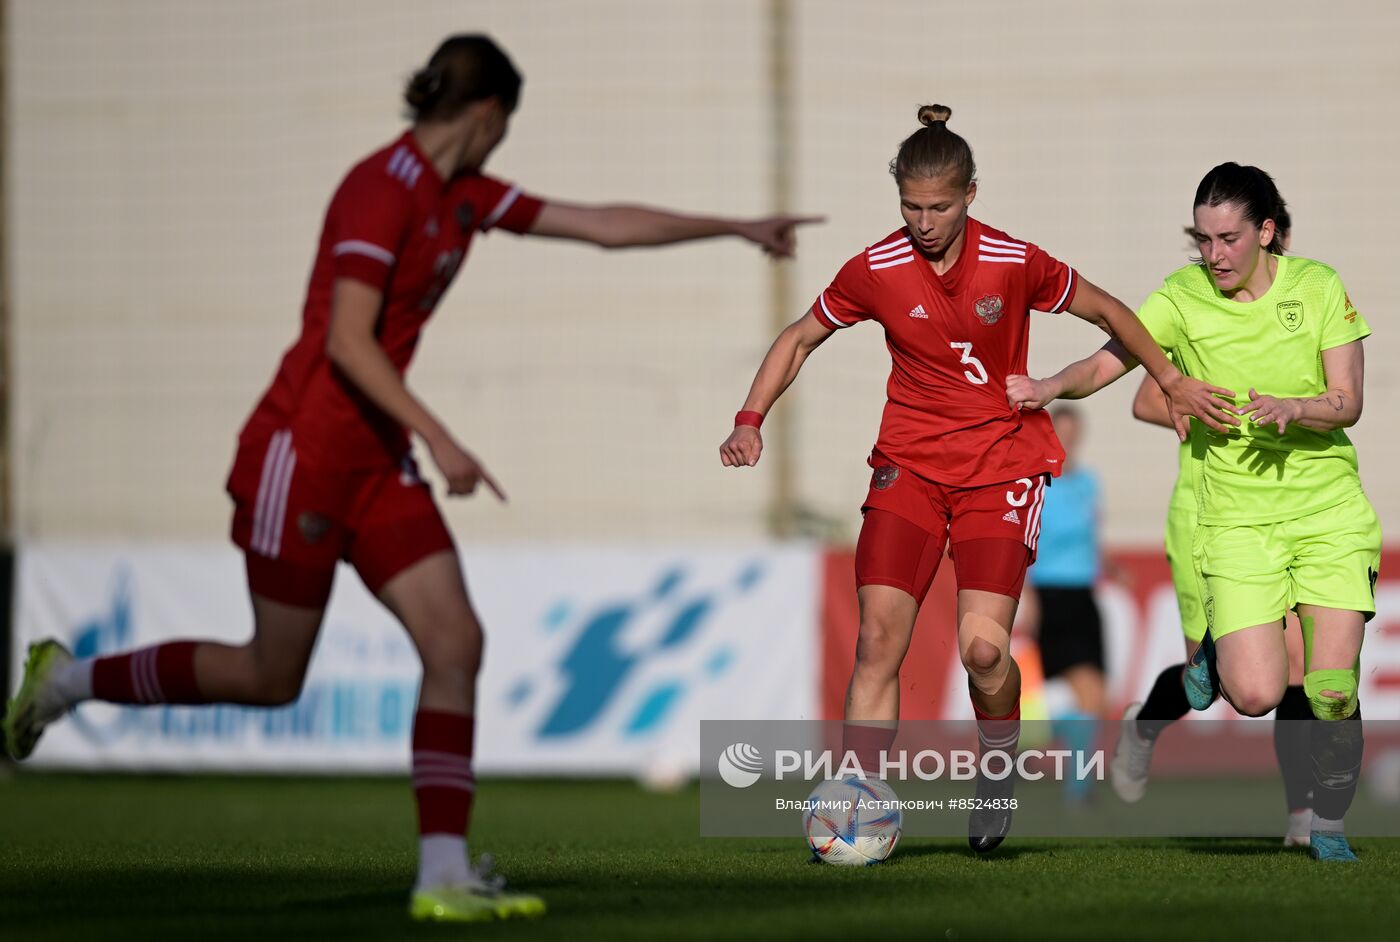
295 523
993 530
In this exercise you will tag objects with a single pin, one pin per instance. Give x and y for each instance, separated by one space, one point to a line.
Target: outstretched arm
621 226
1081 378
351 346
779 368
1339 407
1186 396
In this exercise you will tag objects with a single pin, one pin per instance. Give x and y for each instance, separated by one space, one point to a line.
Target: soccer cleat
990 820
1200 678
481 900
472 904
1131 758
1331 846
24 720
1299 833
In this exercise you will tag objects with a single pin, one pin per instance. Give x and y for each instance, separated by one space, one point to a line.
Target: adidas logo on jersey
1011 516
919 312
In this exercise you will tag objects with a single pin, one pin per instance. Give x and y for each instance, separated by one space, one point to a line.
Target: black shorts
1071 631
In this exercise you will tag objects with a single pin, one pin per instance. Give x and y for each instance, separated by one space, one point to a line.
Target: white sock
1327 824
442 861
1300 822
69 684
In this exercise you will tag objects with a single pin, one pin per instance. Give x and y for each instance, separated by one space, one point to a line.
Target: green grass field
116 857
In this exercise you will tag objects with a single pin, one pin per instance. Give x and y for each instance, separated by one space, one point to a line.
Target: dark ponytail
933 150
464 69
1253 191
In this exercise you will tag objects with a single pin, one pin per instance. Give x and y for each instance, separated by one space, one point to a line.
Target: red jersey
953 340
397 226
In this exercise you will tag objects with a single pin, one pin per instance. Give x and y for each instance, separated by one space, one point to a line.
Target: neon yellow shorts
1181 532
1252 575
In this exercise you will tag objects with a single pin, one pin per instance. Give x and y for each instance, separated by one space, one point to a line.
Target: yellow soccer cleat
24 720
472 904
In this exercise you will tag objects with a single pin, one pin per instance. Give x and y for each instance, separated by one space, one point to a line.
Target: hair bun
929 115
424 86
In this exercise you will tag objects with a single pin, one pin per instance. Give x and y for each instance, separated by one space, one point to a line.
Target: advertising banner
598 660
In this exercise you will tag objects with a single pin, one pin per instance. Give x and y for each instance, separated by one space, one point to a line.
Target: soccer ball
853 822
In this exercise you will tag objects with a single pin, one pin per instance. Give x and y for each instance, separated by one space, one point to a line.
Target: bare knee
1253 699
453 645
880 646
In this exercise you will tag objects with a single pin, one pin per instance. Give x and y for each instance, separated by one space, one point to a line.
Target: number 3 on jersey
979 378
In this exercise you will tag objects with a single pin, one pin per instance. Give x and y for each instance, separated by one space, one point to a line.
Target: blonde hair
933 150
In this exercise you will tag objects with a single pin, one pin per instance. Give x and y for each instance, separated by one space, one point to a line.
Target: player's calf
995 799
1336 748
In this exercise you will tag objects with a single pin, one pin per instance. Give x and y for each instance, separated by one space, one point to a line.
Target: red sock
163 673
998 732
867 742
443 782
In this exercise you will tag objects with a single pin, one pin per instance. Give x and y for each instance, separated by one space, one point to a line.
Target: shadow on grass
961 849
1235 847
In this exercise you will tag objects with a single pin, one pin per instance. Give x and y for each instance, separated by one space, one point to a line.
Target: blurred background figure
325 470
1060 603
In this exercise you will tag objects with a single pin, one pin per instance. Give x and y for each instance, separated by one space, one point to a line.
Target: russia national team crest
988 309
884 476
1290 314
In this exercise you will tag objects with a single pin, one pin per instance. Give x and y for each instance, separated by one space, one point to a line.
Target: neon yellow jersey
1273 344
1181 509
1183 499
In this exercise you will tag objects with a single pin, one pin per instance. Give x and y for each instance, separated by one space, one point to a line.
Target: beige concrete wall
170 162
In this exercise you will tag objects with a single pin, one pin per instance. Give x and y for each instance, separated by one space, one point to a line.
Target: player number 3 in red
977 378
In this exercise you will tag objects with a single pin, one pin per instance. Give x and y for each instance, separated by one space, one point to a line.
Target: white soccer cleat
1131 758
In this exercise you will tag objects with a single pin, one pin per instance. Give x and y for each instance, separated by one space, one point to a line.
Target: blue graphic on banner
597 667
343 710
622 666
102 635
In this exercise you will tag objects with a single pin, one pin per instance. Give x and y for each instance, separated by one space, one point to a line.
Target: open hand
1189 397
1267 410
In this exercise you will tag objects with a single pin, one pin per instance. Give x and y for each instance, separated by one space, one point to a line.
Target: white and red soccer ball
853 822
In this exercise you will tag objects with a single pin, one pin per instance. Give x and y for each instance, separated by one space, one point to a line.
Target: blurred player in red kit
324 470
953 463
